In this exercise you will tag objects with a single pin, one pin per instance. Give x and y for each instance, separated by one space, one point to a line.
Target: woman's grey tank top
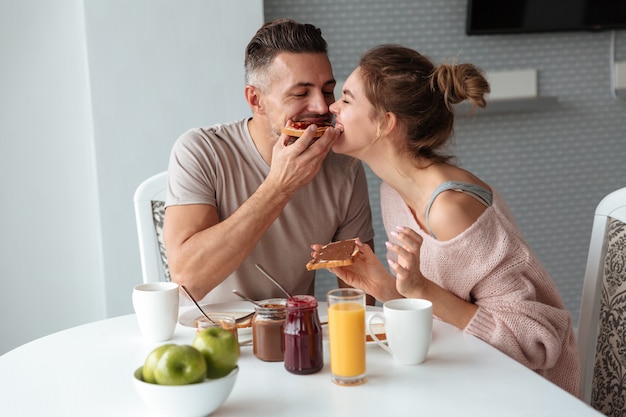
479 193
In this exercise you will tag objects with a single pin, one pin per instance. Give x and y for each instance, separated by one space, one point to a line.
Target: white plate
235 309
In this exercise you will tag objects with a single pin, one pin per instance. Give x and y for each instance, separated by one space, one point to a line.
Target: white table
86 371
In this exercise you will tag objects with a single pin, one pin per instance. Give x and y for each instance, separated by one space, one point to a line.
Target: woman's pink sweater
490 264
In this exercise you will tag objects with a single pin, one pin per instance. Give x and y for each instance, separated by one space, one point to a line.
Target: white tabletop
87 371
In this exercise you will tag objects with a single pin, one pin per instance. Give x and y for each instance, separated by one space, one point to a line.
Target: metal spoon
260 268
245 297
196 303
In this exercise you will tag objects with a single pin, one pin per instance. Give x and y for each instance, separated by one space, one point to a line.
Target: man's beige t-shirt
222 167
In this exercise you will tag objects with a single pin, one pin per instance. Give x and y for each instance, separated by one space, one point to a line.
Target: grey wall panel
553 166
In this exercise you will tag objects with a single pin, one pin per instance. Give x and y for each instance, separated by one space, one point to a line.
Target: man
240 193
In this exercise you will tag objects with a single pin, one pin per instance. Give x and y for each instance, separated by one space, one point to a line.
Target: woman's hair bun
460 82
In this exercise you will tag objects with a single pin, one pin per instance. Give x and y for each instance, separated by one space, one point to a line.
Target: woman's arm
410 282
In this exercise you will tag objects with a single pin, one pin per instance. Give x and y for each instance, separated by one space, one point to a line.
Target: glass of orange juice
346 335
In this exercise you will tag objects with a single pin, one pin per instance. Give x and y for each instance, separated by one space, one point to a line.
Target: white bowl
193 400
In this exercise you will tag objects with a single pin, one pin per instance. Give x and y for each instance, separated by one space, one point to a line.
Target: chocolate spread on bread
341 253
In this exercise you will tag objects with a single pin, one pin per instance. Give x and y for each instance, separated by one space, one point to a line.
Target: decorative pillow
608 392
158 215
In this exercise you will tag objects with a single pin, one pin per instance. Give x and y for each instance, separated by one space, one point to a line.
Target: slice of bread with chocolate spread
340 253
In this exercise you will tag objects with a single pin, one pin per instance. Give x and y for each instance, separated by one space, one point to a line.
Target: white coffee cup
408 328
156 308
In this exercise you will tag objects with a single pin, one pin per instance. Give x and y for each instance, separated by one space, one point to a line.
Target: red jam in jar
303 336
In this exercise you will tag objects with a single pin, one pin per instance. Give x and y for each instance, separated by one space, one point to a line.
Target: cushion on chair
158 215
608 392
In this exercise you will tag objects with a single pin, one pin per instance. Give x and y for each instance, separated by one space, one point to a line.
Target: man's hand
295 165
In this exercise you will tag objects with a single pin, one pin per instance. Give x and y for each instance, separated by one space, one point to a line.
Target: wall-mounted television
525 16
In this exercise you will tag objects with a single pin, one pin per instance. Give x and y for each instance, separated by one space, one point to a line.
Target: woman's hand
367 273
411 283
409 280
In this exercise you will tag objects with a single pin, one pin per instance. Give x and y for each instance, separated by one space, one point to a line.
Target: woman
452 238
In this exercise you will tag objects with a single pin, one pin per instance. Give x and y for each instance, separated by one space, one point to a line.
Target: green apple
150 364
180 365
220 350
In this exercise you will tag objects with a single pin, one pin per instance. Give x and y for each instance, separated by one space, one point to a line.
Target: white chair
602 322
149 202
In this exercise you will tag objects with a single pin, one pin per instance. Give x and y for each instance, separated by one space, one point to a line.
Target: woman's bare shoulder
452 213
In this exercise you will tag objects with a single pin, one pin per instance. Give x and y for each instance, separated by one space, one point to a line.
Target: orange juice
346 335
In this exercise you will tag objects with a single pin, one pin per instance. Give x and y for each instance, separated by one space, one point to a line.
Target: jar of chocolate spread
268 342
303 336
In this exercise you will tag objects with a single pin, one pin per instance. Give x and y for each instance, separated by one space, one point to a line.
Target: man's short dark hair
282 35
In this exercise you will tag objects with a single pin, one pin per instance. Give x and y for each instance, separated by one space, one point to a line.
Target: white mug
408 327
156 308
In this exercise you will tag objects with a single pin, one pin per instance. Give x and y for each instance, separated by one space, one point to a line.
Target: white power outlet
512 84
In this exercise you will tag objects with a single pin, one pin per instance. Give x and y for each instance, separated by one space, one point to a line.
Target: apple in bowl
190 381
172 364
220 349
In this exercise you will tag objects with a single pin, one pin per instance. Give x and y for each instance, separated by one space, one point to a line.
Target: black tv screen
524 16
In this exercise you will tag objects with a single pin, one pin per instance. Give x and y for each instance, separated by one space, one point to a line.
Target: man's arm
202 251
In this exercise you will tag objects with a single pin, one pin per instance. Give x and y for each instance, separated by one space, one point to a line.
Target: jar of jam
303 336
268 342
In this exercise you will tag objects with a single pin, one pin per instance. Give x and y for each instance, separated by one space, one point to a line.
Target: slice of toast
379 331
340 253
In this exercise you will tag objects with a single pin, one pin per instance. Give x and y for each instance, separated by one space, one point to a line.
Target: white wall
50 243
157 68
93 95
